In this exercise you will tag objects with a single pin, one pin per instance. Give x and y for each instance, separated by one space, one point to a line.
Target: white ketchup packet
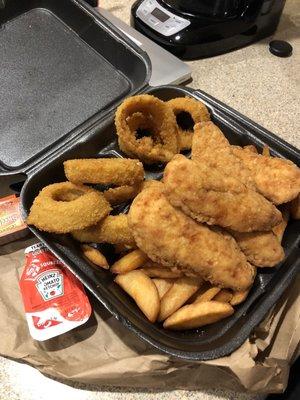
54 300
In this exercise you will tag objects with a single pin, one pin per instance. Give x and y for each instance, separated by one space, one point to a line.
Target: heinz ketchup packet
55 301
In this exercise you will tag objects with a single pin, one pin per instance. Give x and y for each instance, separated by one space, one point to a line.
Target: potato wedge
163 285
182 289
95 256
133 260
239 297
159 271
198 314
143 291
224 296
206 293
123 248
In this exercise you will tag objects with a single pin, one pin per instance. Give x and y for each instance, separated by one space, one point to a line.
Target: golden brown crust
169 237
162 145
208 195
63 207
198 112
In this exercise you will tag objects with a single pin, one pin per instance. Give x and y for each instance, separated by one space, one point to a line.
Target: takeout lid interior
62 68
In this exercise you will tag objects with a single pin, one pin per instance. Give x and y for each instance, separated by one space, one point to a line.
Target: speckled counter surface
251 80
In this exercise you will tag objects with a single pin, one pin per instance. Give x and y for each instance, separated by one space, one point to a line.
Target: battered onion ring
198 113
64 207
117 171
162 145
121 194
113 229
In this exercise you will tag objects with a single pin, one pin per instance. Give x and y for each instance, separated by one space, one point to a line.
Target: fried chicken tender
206 194
113 229
276 178
262 249
171 238
211 146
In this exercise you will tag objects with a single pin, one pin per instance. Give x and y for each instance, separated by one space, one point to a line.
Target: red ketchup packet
54 300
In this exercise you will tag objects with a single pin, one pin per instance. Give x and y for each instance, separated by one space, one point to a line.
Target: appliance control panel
160 19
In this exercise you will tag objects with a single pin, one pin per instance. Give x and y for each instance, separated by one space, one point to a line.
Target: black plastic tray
61 68
209 342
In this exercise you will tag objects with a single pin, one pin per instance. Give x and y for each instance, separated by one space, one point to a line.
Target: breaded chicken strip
276 178
262 249
171 238
211 146
208 195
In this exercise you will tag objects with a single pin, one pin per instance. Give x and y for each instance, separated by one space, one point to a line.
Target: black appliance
194 29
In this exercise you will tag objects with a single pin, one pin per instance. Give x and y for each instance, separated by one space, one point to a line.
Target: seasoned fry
239 297
95 256
129 262
113 229
198 314
163 285
141 288
224 296
180 292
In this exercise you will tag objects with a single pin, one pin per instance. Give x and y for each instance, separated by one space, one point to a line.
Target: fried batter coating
211 146
113 229
276 178
206 194
63 207
171 238
196 110
117 171
262 249
162 144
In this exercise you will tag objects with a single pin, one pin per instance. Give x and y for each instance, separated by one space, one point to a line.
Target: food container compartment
211 341
71 69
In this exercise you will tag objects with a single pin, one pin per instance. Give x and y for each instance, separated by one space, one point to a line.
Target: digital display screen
160 15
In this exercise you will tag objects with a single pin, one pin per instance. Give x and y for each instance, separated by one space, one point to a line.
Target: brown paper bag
105 352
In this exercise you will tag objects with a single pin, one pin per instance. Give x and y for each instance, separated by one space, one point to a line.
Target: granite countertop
251 80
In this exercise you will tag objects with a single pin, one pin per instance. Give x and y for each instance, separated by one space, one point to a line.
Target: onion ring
162 145
121 194
64 207
113 229
117 171
196 110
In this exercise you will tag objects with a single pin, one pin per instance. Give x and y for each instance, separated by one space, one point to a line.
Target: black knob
280 48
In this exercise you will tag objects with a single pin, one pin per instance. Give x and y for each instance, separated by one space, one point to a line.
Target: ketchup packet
12 227
55 301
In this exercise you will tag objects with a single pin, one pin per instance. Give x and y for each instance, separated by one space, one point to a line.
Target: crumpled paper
104 352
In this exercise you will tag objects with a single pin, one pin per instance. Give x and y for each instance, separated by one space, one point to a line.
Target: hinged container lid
62 67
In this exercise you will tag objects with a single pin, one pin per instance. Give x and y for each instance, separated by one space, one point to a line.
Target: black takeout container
73 51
